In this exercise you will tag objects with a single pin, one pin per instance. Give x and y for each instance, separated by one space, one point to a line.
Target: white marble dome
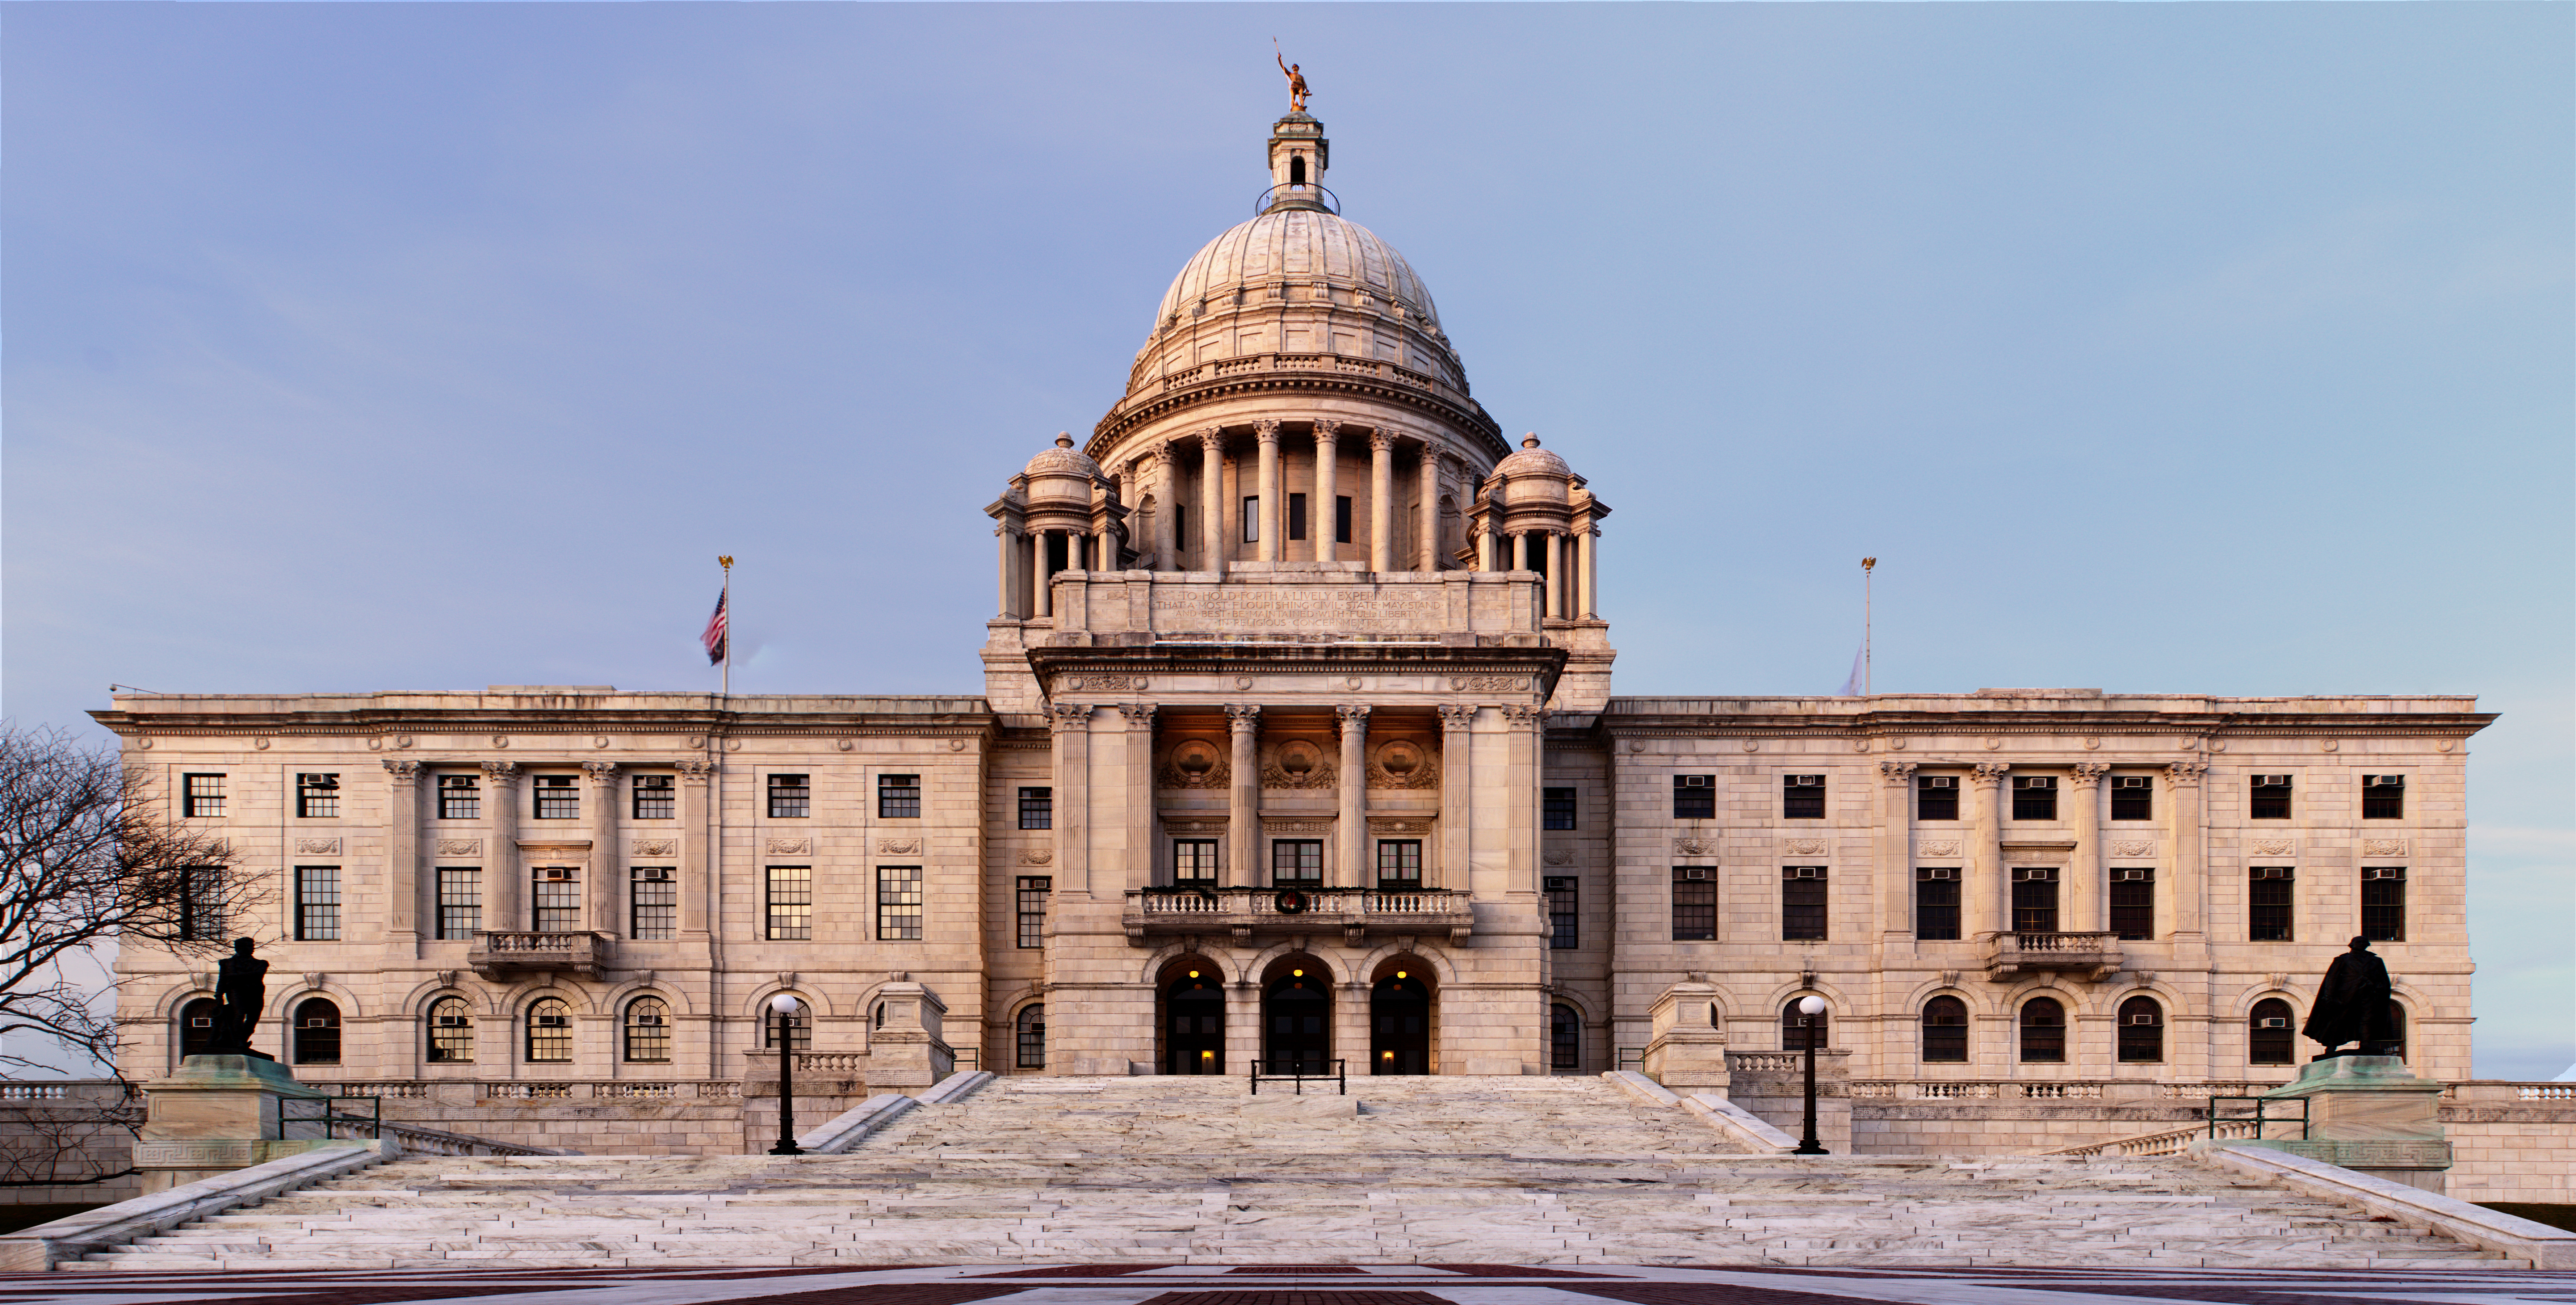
1301 245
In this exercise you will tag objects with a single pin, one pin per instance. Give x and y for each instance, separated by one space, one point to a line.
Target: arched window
317 1032
2267 1033
2396 1044
800 1027
1296 169
1032 1035
197 1026
1795 1028
1945 1030
2142 1031
549 1031
1564 1038
451 1032
648 1031
2043 1031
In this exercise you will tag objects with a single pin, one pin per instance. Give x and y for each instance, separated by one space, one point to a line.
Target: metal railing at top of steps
1340 1078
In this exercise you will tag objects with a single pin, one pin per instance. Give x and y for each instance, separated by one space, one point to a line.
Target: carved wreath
1299 764
656 847
1194 763
1687 846
1399 763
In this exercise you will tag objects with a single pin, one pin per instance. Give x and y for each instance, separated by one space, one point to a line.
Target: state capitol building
1298 747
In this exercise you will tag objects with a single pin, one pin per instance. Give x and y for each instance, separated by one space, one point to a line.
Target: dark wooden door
1400 1027
1194 1027
1298 1013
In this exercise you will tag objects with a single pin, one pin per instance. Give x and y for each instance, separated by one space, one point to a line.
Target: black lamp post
784 1006
1809 1008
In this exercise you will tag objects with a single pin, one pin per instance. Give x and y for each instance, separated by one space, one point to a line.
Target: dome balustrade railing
1307 191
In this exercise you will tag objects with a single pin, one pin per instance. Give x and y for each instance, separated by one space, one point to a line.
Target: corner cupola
1299 154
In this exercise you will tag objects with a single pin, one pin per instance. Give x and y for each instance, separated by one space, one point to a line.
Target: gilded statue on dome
1296 80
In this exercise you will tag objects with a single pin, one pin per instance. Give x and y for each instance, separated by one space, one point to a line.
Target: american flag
714 638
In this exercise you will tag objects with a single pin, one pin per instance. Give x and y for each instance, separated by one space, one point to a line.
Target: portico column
1075 558
1488 549
1520 550
1429 507
1896 848
1267 431
1591 541
1319 521
697 894
1139 799
1381 500
1002 535
1167 539
1243 797
403 906
1041 587
1555 586
1211 501
1457 808
2085 909
1070 724
607 863
1353 824
501 780
1986 890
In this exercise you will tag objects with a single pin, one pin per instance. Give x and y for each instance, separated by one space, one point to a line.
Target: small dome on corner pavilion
1533 461
1063 460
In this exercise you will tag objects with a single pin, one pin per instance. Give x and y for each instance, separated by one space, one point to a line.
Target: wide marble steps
1174 1170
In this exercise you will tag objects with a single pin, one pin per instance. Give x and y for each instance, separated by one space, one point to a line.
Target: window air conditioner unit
2142 1019
2133 874
648 1019
1695 872
553 1022
2276 1022
2384 781
2384 872
2272 781
1940 781
2131 781
318 1022
654 874
1806 781
1806 872
1696 781
1939 872
2034 781
557 874
451 1021
2271 872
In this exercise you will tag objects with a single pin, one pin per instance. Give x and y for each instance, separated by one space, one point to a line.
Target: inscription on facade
1304 611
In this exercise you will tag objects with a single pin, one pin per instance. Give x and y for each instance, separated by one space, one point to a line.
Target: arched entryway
1193 1018
1400 1018
1297 1018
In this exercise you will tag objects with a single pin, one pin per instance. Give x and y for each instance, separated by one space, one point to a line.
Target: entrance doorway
1297 1023
1400 1025
1194 1023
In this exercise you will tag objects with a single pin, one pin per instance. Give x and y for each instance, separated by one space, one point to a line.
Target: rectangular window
1936 903
1298 861
791 904
1802 797
898 797
558 798
1556 808
1252 519
790 797
1037 808
1564 923
1399 864
2269 894
1181 526
2383 903
1694 797
458 798
317 903
557 902
655 798
1194 860
2034 797
201 795
460 903
1033 893
652 902
898 903
2133 903
1936 797
317 797
1694 903
2133 797
1296 516
2034 900
2269 798
1342 519
2383 797
1802 903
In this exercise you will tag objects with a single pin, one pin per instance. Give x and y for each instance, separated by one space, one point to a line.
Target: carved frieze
1402 763
1102 684
791 846
1298 763
2383 847
1194 763
657 847
2273 846
317 847
1037 856
1938 847
1296 826
1803 846
460 847
1694 845
1557 856
899 846
1489 683
2133 847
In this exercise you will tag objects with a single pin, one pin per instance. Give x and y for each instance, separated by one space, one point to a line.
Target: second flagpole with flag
719 647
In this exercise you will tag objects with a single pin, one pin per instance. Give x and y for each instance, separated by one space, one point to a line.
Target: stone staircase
1174 1170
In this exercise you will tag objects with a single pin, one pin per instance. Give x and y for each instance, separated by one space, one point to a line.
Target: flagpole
1867 565
726 602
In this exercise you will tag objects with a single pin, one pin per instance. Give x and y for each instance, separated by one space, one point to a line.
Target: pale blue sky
2161 348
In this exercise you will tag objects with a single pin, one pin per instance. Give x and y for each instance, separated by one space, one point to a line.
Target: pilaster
403 906
1143 847
697 839
1381 500
1986 893
1320 515
1351 830
1895 853
1243 796
508 878
2087 894
1457 803
1070 725
607 859
1211 500
1266 431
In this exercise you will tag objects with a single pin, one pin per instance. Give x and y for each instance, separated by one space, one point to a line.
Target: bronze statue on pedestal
2352 1006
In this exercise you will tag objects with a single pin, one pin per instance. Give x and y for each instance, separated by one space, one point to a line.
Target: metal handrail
1332 202
1340 1077
329 1115
2257 1118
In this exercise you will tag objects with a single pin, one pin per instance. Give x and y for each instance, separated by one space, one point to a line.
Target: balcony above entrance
1243 912
509 955
2009 956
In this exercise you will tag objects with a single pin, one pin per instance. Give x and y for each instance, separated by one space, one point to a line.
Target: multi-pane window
648 1031
2269 892
1564 1037
2133 903
2133 797
898 903
2034 797
2043 1031
558 798
1252 519
898 797
2267 1033
790 797
2383 797
1030 1031
459 798
1694 797
2383 903
1556 808
1563 917
2142 1031
1297 861
549 1031
1799 1030
1181 535
317 796
652 902
1936 903
1032 904
2268 797
2034 899
201 902
1802 903
451 1032
1936 797
317 903
789 901
1194 860
317 1032
1694 903
1802 797
1296 516
1399 864
655 797
800 1029
1945 1030
460 902
1037 808
557 904
201 795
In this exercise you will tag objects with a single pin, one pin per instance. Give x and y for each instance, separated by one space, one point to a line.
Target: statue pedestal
2369 1114
1686 1052
217 1114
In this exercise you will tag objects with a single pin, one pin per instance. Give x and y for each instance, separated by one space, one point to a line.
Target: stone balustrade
1245 911
2095 956
509 955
